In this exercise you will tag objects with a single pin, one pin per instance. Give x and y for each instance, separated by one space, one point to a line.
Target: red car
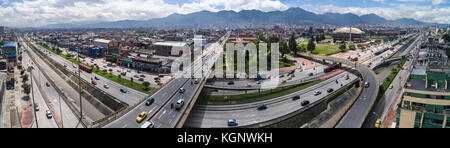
48 85
141 79
93 82
110 69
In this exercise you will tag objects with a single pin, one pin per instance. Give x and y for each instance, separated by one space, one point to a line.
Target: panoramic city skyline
38 13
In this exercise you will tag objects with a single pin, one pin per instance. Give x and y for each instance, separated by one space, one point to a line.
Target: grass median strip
390 78
112 77
253 97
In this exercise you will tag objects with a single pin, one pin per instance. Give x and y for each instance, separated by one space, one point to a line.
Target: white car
179 104
148 124
48 113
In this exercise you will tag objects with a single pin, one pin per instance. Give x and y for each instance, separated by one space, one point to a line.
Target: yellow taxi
301 70
196 81
390 87
141 117
159 83
289 78
192 76
378 123
106 86
284 81
249 85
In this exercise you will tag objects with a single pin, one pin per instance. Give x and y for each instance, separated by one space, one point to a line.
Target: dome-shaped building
344 34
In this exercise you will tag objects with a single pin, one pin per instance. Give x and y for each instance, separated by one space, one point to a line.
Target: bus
331 68
354 59
85 68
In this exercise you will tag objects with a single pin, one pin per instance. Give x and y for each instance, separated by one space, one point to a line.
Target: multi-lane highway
130 97
216 116
161 112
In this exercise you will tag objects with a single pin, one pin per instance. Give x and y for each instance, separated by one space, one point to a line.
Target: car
179 104
258 82
96 78
378 123
310 74
262 107
149 101
123 90
119 71
106 86
292 75
305 102
330 90
181 90
281 76
128 70
196 81
141 117
230 83
292 71
143 76
284 81
148 124
48 84
232 122
48 113
366 84
124 73
249 85
317 92
76 72
36 106
157 80
295 98
161 75
141 79
136 76
93 82
299 67
289 78
110 70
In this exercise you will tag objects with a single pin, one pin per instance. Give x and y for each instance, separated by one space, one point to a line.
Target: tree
342 46
318 39
283 48
131 79
26 88
352 47
146 84
293 45
311 46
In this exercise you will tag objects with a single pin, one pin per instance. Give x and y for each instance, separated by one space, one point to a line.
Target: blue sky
25 13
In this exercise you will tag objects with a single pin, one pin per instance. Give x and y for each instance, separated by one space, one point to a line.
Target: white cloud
397 11
437 2
43 12
380 1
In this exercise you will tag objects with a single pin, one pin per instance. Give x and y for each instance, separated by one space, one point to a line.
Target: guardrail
301 110
84 122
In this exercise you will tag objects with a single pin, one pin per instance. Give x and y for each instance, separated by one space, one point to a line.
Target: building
170 48
9 50
95 52
3 77
2 29
426 98
348 34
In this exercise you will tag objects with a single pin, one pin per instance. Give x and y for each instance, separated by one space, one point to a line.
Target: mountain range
291 16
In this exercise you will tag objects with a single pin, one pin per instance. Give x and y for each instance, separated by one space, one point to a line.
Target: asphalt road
91 113
69 119
131 97
382 105
160 112
247 114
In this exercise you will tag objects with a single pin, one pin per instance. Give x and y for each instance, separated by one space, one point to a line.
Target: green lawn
253 97
107 75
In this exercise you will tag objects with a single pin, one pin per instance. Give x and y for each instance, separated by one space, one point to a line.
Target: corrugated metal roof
10 44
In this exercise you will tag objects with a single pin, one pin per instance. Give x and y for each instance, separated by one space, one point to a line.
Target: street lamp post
60 109
30 69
